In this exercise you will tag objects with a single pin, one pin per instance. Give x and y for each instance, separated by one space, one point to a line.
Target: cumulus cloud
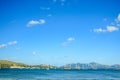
114 26
8 44
108 29
117 21
69 40
3 45
36 22
12 43
118 18
99 30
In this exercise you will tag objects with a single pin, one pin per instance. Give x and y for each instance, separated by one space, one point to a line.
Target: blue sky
60 31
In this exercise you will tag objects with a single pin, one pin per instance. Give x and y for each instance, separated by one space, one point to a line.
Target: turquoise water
36 74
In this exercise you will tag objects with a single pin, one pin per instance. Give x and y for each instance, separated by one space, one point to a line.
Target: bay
38 74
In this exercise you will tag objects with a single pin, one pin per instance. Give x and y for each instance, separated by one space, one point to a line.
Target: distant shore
5 64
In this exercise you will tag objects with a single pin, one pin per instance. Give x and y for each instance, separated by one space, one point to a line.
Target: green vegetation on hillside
10 64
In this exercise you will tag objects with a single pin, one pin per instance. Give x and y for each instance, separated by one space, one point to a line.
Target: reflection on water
36 74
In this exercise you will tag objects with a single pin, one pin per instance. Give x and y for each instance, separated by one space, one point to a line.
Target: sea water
37 74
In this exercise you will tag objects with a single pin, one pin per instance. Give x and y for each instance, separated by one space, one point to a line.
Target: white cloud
3 45
12 43
118 21
36 22
112 28
108 29
8 44
99 30
118 18
34 53
115 25
69 40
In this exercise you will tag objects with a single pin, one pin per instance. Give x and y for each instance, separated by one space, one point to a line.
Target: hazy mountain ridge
78 66
92 65
11 64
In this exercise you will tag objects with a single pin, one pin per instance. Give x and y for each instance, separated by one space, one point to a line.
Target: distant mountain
11 64
91 65
78 66
116 66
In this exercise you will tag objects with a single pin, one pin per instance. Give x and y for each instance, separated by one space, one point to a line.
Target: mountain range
77 66
92 65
